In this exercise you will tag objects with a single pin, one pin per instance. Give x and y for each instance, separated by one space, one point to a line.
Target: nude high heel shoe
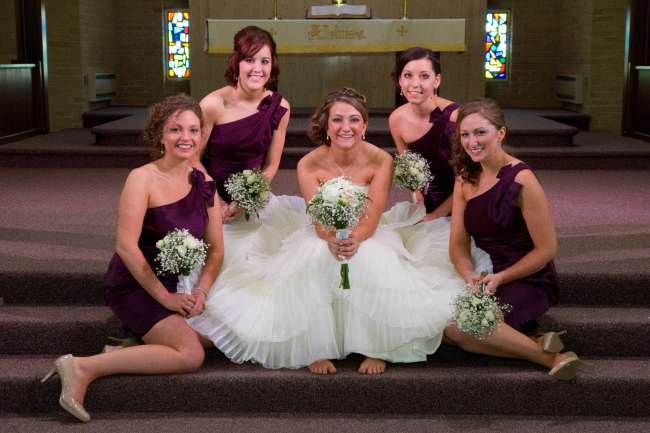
551 342
63 367
567 369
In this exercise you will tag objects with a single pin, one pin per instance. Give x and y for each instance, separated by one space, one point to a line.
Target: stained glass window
177 57
497 41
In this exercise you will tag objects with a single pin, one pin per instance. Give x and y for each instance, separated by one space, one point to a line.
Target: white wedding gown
277 300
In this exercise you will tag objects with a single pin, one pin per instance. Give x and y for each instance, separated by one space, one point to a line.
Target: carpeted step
83 330
86 288
612 387
163 422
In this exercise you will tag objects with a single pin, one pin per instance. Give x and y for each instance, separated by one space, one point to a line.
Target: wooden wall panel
305 79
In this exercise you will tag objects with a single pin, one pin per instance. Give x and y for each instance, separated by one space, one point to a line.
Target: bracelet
202 290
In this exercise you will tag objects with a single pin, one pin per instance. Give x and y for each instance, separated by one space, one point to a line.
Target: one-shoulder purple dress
130 302
435 147
242 144
499 228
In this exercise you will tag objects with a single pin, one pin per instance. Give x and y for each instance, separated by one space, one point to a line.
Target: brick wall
8 21
97 42
533 55
65 81
139 47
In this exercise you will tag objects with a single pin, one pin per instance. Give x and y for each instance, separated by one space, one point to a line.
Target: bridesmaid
425 124
501 204
245 121
157 198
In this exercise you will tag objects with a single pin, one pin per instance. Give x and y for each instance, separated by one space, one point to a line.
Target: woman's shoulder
377 155
215 101
312 159
399 114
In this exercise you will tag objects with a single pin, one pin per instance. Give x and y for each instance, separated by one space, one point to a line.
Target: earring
435 91
401 93
162 149
363 136
327 138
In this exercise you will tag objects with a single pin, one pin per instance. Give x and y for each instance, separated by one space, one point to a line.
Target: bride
278 302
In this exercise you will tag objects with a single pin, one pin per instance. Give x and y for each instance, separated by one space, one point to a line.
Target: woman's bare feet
372 366
323 366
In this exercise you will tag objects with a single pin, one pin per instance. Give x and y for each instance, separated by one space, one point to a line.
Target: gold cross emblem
402 30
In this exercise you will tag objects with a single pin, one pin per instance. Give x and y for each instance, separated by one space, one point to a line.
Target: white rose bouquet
250 190
180 253
478 313
338 205
412 172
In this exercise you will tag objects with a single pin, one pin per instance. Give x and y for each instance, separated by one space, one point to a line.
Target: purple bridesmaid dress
499 228
123 294
435 147
242 144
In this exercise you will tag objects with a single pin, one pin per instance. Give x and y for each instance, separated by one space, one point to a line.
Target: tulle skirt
278 301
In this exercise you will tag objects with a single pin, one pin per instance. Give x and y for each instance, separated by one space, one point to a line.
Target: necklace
350 165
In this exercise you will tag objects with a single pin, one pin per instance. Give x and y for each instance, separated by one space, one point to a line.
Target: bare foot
372 366
323 366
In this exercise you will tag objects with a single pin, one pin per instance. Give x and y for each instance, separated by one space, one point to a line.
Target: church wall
8 47
306 79
97 42
65 81
533 55
139 49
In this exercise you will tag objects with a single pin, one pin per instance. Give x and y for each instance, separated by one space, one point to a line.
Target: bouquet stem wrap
343 234
414 198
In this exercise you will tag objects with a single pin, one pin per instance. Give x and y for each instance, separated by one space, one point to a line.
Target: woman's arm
459 241
130 216
214 260
536 213
441 211
274 154
378 191
394 123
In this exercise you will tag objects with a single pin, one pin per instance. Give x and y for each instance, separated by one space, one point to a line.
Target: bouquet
338 205
250 190
412 172
180 253
479 313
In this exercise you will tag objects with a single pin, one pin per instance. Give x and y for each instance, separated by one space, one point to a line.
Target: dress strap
205 188
505 194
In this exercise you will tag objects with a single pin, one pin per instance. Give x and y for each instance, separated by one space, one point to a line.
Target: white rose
330 193
247 172
485 322
250 179
419 164
181 250
191 243
160 244
489 315
414 171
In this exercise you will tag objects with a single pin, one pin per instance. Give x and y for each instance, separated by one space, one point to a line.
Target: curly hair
247 42
158 116
317 130
415 53
464 167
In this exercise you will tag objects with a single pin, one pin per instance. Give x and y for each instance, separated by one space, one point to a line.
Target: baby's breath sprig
411 172
180 253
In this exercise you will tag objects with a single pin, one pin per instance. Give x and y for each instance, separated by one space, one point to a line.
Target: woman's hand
230 212
492 281
343 249
199 304
181 303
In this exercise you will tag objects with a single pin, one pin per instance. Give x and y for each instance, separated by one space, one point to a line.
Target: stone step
611 387
84 330
198 422
86 288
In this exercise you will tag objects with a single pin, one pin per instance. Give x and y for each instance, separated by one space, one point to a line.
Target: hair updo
317 130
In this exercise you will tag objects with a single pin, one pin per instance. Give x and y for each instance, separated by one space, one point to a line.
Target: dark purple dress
242 144
435 147
123 294
499 228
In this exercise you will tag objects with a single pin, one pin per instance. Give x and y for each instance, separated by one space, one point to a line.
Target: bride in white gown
277 301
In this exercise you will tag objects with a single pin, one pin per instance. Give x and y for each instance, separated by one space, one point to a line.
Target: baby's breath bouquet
478 313
338 205
412 172
250 190
180 253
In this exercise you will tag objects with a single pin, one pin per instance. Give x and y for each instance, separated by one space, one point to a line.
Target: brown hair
463 165
415 53
317 130
158 116
247 42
